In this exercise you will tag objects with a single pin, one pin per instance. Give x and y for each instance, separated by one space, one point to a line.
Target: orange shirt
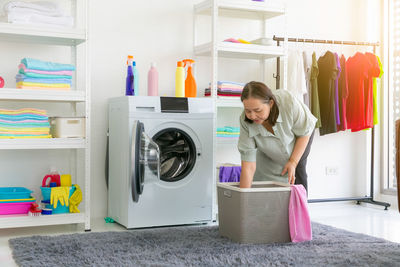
373 72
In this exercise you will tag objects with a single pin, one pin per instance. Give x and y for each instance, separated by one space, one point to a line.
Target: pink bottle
152 81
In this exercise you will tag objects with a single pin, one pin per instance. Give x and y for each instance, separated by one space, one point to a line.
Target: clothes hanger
341 48
313 46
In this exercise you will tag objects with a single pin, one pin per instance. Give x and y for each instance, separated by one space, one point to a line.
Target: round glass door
177 154
144 156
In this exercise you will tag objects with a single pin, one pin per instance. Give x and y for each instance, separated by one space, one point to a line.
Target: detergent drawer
254 215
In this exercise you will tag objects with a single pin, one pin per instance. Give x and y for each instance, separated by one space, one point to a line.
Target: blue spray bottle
135 78
129 77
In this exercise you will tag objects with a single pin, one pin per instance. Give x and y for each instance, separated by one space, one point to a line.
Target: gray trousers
301 172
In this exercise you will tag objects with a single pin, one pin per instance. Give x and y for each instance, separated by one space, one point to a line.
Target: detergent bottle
129 76
135 79
152 80
180 80
190 82
52 177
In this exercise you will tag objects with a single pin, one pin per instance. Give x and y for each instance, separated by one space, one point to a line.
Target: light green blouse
272 151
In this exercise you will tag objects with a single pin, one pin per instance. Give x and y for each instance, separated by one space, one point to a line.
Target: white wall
161 31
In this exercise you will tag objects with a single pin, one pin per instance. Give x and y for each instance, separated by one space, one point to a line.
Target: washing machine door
145 157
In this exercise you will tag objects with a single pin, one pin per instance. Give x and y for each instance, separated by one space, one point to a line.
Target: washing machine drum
177 154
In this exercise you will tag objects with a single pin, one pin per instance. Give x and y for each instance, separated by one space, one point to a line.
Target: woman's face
256 109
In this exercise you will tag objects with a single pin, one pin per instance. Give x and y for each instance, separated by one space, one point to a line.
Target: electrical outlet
331 170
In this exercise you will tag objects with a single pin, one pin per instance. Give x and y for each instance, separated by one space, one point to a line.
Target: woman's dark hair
260 91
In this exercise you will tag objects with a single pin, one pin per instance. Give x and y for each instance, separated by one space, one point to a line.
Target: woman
276 133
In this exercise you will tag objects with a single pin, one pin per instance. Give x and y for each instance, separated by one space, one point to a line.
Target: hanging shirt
296 77
374 85
343 93
326 92
307 72
314 100
373 72
337 115
357 71
272 151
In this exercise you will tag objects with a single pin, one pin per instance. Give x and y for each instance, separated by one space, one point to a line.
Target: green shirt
272 151
315 110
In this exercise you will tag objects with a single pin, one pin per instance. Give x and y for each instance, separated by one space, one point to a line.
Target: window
392 95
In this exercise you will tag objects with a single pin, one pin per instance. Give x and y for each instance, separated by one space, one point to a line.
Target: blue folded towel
24 124
24 78
229 129
44 76
36 64
22 117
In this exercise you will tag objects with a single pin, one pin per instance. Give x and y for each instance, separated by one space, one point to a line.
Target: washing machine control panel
174 104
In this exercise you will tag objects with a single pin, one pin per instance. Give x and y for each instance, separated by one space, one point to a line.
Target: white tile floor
367 219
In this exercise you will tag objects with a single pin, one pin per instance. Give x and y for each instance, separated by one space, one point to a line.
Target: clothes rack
367 199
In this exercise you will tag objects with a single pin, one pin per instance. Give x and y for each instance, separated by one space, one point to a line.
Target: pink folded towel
299 218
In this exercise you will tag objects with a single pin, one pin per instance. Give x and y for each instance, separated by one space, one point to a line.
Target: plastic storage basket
259 214
46 193
67 127
14 193
15 207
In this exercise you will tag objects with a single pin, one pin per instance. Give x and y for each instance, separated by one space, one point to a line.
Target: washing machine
160 161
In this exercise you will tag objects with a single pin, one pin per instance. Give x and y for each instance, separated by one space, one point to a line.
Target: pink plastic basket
15 208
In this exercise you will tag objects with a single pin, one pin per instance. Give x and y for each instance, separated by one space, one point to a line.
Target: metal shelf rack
367 199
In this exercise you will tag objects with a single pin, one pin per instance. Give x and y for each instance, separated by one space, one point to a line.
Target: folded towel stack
228 132
43 75
226 88
24 123
43 13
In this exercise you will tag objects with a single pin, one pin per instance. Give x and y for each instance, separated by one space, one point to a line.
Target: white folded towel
42 7
30 18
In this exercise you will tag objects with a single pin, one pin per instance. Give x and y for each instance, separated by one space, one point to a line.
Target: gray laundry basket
254 215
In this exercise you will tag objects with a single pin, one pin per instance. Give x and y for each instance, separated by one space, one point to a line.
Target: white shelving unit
45 143
75 38
245 51
42 95
216 48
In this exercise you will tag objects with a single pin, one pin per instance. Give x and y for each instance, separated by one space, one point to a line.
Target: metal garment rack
366 199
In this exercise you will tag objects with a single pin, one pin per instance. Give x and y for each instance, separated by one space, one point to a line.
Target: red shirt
357 68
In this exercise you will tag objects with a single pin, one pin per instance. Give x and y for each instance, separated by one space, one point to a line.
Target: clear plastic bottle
152 81
135 78
129 76
180 80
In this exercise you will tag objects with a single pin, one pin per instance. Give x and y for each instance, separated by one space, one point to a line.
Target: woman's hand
290 169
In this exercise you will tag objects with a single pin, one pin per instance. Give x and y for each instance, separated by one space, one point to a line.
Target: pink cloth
59 72
24 121
232 40
299 219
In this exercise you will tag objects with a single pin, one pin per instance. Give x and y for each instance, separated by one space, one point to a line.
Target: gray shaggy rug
201 246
